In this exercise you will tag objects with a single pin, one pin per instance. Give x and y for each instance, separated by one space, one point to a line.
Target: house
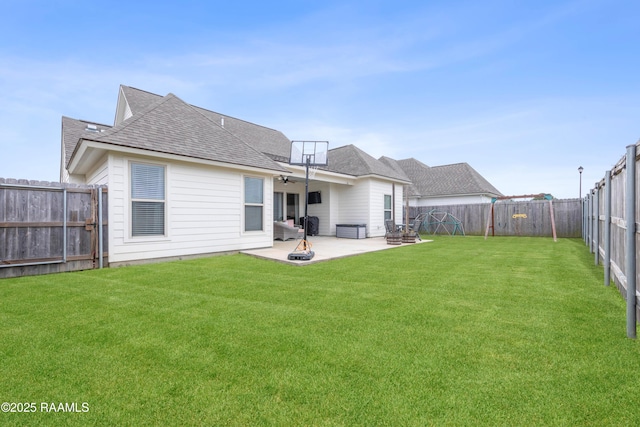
443 185
186 181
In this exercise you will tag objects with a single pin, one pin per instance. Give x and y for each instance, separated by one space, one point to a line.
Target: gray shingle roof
269 141
138 99
447 180
73 130
351 160
169 125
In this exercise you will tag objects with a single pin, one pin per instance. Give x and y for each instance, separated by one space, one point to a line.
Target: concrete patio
325 248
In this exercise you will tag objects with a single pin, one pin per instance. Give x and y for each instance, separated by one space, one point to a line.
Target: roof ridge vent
92 128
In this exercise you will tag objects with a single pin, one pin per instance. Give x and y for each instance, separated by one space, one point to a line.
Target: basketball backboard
314 151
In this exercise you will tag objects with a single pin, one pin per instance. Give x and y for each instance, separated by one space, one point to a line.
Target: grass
460 331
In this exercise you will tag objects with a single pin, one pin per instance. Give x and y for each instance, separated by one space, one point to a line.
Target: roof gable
271 142
395 165
132 101
351 160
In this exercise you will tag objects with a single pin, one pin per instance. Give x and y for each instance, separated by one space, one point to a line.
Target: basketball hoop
309 154
312 153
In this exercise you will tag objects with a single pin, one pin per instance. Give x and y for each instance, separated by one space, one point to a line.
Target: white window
147 200
387 207
253 203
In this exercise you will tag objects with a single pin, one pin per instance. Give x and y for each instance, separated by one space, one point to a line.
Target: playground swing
491 220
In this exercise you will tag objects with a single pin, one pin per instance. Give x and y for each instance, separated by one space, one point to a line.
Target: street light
580 169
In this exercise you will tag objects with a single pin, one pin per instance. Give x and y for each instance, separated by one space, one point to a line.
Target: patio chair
415 226
390 227
283 231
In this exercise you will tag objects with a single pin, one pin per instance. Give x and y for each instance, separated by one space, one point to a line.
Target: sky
525 92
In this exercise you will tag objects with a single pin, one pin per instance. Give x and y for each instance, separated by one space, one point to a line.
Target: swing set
491 220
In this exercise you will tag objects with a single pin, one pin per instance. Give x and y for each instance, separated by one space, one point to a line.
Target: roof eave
88 152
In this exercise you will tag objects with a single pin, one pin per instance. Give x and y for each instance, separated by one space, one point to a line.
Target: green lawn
460 331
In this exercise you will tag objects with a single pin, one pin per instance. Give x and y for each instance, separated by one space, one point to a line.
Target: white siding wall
205 213
64 175
354 204
363 203
100 174
322 210
334 207
375 225
75 179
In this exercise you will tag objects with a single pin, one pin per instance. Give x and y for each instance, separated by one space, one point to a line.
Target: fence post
607 228
630 240
587 219
100 231
596 224
64 225
584 220
591 221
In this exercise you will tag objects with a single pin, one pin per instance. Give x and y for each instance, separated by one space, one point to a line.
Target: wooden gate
51 227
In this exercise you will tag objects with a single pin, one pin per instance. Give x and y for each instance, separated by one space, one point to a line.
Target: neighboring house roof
169 125
447 180
351 160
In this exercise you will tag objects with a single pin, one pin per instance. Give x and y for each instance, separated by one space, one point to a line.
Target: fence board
474 217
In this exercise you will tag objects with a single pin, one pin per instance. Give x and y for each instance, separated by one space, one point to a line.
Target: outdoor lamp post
580 169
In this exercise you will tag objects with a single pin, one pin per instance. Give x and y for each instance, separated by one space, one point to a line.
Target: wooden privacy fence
512 218
611 213
51 227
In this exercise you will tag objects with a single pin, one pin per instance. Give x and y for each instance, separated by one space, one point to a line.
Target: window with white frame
387 207
147 200
253 203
